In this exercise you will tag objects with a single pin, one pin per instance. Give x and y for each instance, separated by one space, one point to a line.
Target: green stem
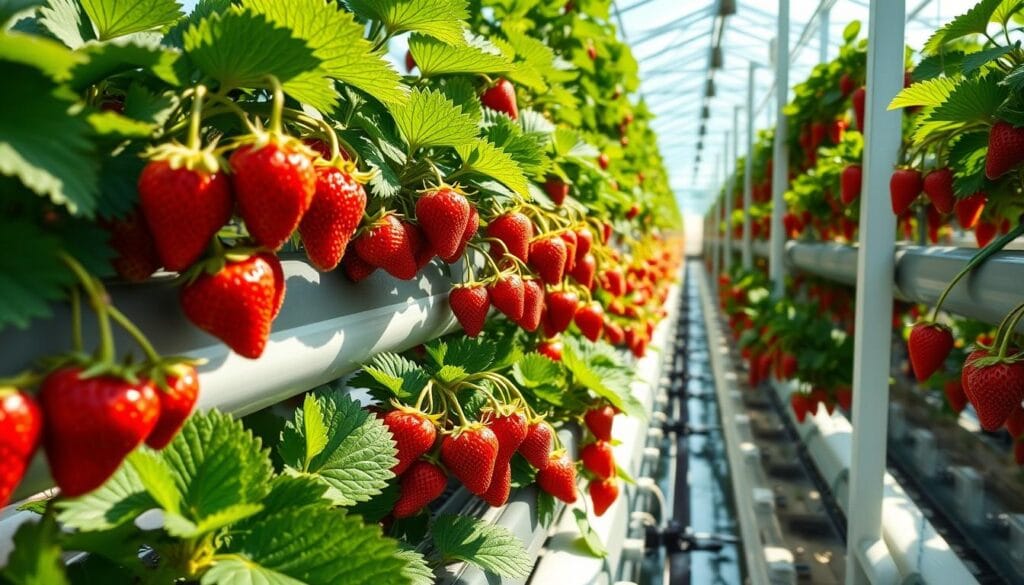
76 321
196 118
135 333
97 298
277 105
1011 325
423 394
979 257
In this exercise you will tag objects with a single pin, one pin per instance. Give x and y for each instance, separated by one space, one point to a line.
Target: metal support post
780 156
873 321
824 20
729 182
748 175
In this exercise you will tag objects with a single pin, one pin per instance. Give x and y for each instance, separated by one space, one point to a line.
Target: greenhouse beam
780 156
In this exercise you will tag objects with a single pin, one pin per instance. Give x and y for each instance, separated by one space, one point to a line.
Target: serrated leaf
66 20
36 558
180 527
570 144
32 278
463 94
967 158
590 540
221 45
119 501
385 182
102 60
973 100
416 568
974 21
945 63
314 429
39 52
141 104
1006 10
492 548
450 374
978 59
480 156
535 370
394 374
472 355
931 92
1015 79
119 171
441 19
293 491
115 18
528 150
545 508
239 572
431 119
474 55
155 477
379 506
114 126
355 462
534 59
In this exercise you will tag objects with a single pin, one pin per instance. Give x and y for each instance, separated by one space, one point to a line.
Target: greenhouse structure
518 292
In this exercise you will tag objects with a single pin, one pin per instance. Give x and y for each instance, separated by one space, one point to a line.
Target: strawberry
547 257
787 366
929 345
21 423
584 242
558 477
332 218
904 187
423 483
536 446
801 405
92 424
598 459
386 245
995 390
470 454
613 281
968 210
1005 149
410 63
515 231
561 309
569 237
603 161
137 257
470 305
844 397
177 399
442 214
1015 422
533 305
472 225
850 183
938 186
599 420
274 185
511 431
550 349
590 319
613 333
234 304
984 232
556 188
846 84
591 50
414 434
508 295
633 211
603 494
183 208
502 98
422 250
501 485
955 396
356 269
836 129
279 281
583 271
859 95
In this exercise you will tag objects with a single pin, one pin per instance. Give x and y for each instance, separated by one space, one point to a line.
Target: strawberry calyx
463 427
206 160
417 411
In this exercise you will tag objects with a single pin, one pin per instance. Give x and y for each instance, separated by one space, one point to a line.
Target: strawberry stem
196 118
98 300
1007 328
76 320
135 333
979 257
277 105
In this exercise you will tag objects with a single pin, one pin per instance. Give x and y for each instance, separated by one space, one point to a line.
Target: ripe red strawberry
183 208
515 230
508 295
598 459
21 423
501 485
414 434
599 420
787 366
550 349
470 455
423 483
938 186
472 225
235 304
613 333
801 405
955 396
332 218
584 242
614 282
536 446
556 188
846 84
929 345
603 494
561 309
859 95
603 161
176 403
1015 422
356 269
279 281
633 211
590 320
1005 149
904 187
92 424
968 210
442 214
533 305
836 129
558 477
583 271
410 63
850 183
137 257
511 431
569 237
984 232
274 185
547 257
470 305
422 251
844 397
386 245
502 98
995 390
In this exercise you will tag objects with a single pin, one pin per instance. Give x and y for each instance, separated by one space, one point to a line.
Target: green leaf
316 545
492 548
974 61
441 19
416 568
931 92
314 429
239 572
66 20
946 63
32 278
63 170
534 59
337 41
973 100
119 501
570 144
1015 79
528 150
385 182
545 508
480 156
115 18
114 126
156 478
102 60
431 119
535 370
9 8
356 460
393 374
974 21
450 374
475 55
624 475
293 491
606 382
379 506
48 56
967 158
181 527
589 539
472 355
851 31
36 558
141 104
119 173
1006 10
222 46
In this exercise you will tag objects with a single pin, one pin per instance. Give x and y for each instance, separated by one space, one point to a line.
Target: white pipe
824 20
780 157
875 263
748 179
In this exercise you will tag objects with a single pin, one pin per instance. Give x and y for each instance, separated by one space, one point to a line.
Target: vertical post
715 248
780 156
716 186
729 182
748 178
824 20
875 265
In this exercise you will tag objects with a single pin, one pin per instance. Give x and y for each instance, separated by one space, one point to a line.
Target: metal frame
780 154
